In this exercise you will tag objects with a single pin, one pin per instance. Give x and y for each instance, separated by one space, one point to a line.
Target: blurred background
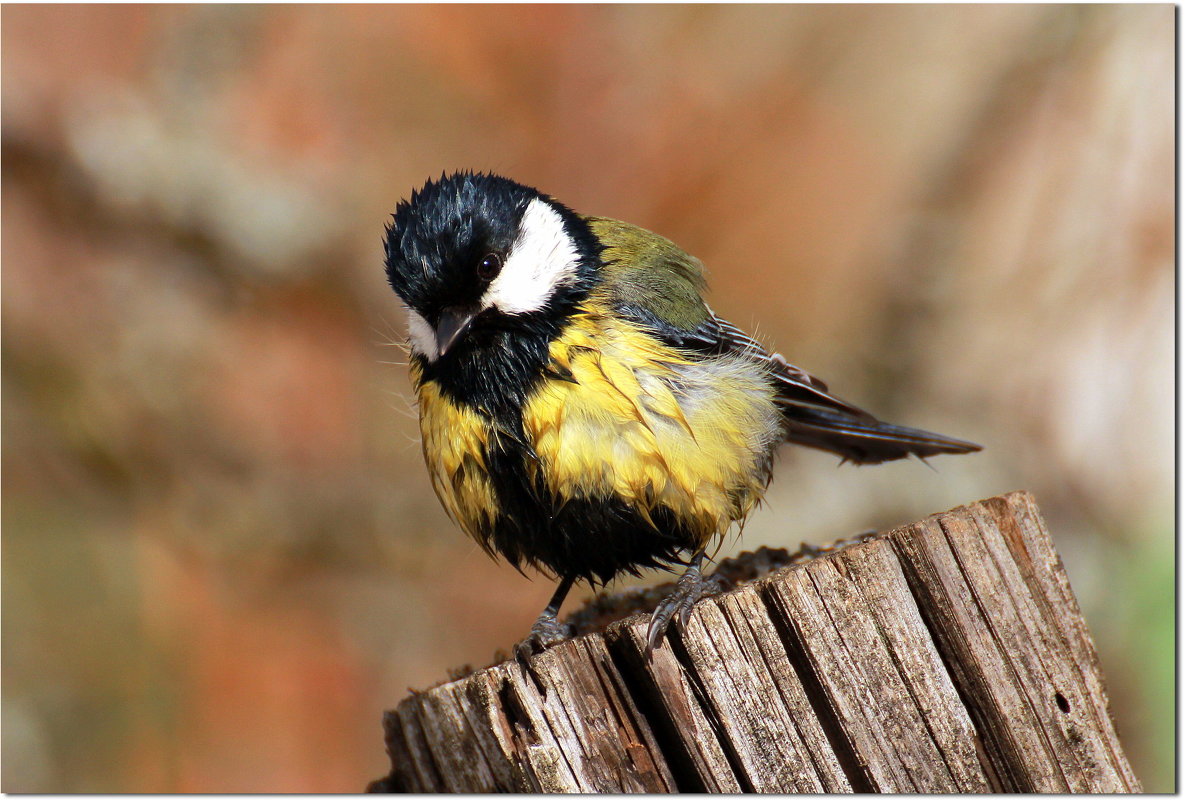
222 558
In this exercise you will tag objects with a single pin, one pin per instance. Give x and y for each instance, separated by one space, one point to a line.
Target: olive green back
651 272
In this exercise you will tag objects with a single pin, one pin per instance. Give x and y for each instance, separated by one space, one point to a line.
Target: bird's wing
817 419
796 387
653 282
649 278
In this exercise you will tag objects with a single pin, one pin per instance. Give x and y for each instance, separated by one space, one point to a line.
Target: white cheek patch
542 258
423 338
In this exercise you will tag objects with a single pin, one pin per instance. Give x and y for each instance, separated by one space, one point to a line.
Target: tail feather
865 440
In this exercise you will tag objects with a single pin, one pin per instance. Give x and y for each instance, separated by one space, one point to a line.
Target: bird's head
475 255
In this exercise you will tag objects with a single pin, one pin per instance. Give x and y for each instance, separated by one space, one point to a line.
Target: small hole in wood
1062 703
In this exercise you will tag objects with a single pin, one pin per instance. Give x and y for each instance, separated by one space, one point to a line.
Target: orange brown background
222 558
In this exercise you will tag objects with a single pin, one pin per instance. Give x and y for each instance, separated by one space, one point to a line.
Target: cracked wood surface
948 655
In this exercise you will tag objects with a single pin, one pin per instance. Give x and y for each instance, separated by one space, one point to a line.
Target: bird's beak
452 324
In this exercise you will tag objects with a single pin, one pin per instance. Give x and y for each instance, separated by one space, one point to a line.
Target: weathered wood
865 642
729 693
1017 646
565 723
944 656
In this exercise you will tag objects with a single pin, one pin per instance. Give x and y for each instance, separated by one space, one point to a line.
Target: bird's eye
489 267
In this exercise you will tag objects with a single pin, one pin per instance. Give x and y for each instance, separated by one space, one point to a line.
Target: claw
685 611
546 632
677 606
659 621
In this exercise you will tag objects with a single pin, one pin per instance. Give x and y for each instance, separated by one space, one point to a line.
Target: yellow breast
636 420
643 422
454 439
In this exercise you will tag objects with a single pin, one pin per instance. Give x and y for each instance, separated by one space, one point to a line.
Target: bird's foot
676 607
546 632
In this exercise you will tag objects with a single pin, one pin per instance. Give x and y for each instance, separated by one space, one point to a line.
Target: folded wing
817 419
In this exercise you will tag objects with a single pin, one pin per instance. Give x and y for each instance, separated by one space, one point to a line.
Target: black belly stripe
590 538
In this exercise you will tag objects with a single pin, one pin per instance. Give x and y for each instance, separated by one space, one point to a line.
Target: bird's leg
676 607
548 630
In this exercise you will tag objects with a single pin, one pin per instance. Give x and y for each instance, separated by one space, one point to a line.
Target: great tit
582 410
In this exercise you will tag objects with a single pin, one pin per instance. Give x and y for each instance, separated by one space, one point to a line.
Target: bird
582 410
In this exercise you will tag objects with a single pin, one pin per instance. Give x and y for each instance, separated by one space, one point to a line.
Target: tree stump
948 655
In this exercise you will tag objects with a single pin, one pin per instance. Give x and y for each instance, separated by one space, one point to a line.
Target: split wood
944 656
